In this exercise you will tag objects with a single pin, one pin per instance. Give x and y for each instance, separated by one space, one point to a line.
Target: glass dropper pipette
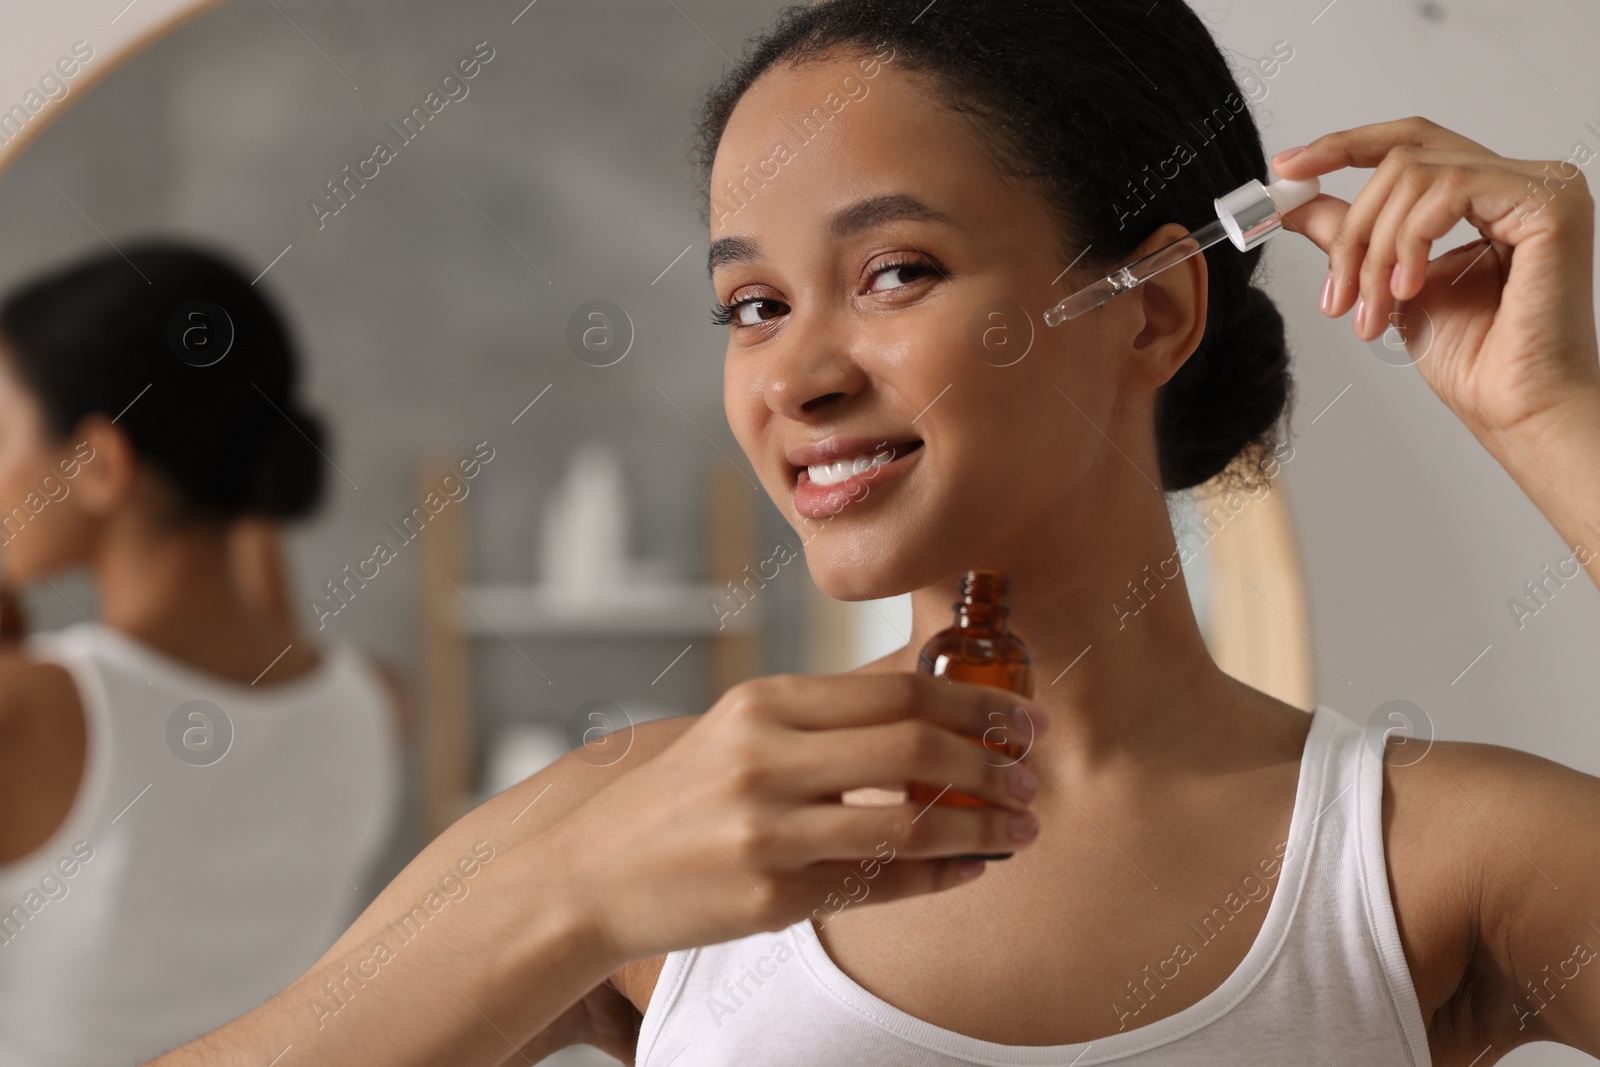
1247 216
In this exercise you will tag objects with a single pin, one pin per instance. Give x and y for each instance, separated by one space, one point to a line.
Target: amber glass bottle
979 648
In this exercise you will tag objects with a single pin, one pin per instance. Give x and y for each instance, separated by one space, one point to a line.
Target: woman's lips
825 501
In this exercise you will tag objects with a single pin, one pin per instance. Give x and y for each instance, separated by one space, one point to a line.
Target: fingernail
1361 316
1024 784
1394 279
1030 720
1024 826
1325 301
967 870
1288 153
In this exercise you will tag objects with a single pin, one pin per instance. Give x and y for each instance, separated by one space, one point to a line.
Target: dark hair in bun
1128 118
218 420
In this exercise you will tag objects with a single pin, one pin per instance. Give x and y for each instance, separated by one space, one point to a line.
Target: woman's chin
884 554
840 580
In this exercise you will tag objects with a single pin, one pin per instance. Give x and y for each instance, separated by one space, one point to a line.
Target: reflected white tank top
181 891
1324 981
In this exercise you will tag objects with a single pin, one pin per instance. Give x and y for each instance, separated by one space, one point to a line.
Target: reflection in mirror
432 291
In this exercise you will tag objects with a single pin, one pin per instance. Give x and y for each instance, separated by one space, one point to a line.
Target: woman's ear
1174 309
109 466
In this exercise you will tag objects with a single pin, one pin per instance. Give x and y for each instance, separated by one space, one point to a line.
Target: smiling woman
988 167
920 251
1201 872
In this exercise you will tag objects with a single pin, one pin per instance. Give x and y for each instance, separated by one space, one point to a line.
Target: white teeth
834 473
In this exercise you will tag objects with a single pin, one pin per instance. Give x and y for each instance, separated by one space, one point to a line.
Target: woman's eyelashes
905 271
723 314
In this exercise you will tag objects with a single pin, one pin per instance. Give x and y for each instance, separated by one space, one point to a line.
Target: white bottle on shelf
584 555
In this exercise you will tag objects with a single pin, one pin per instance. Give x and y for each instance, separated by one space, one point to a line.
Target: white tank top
1325 980
177 895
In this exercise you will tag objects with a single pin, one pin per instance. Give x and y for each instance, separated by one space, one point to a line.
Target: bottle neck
983 601
981 616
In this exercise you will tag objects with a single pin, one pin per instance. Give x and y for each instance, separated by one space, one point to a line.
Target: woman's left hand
1511 316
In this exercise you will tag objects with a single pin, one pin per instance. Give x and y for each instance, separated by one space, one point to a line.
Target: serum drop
978 647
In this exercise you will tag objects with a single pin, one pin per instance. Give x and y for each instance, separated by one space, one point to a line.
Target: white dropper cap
1288 195
1253 212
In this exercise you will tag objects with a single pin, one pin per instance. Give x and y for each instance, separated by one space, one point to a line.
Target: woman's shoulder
27 685
1478 840
1465 802
43 741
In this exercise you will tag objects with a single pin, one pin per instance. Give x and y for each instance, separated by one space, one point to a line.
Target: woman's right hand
738 826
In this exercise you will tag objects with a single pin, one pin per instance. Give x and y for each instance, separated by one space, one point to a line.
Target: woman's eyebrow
846 222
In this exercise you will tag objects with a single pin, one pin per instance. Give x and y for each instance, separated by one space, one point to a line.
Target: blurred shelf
647 611
455 611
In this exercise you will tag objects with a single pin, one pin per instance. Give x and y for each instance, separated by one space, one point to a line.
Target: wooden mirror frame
38 35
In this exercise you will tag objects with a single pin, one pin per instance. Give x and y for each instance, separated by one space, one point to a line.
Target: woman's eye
902 274
760 310
756 310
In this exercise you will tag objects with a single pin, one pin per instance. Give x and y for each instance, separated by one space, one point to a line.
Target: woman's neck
174 588
1098 596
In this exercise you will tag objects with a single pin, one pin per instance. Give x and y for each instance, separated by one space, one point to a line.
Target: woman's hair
1127 117
189 359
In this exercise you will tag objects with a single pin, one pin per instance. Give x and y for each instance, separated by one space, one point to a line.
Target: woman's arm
1555 458
492 933
43 739
1502 329
1494 864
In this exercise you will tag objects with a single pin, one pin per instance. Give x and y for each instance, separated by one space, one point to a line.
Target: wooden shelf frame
455 610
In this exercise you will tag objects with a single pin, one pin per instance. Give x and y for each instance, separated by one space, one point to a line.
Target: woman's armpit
637 979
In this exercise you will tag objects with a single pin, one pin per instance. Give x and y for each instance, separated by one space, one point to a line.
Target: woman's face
42 526
890 281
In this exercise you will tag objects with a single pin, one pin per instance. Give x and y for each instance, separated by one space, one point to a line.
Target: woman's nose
811 379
